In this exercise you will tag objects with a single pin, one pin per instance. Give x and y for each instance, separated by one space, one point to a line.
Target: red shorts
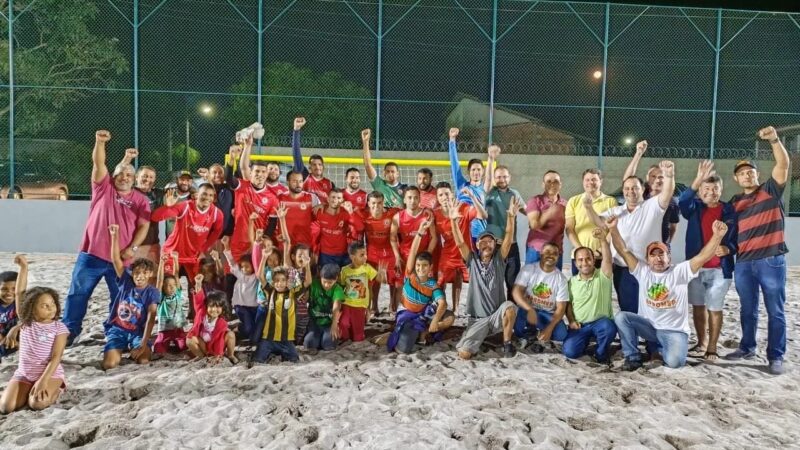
447 274
351 323
164 338
393 278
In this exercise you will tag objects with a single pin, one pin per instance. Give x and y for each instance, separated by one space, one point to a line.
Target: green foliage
179 157
327 115
54 47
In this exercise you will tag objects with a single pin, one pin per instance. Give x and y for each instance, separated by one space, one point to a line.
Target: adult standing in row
546 219
150 247
577 224
114 201
314 180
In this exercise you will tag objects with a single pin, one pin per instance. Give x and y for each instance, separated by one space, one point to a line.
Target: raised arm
395 243
633 166
235 153
244 161
455 215
99 169
707 252
433 234
780 173
305 263
476 203
116 258
368 167
130 156
22 281
412 254
160 275
668 189
281 212
459 181
262 264
199 299
686 203
488 181
297 155
586 202
606 264
619 244
511 222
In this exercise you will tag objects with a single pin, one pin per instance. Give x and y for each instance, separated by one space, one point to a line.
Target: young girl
244 291
209 335
39 379
172 310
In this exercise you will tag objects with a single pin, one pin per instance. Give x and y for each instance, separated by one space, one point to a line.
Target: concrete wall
50 226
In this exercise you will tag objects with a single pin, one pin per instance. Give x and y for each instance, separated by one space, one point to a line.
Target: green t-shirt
320 302
496 204
392 197
591 299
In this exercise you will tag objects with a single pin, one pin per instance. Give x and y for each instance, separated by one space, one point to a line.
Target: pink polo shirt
553 230
109 207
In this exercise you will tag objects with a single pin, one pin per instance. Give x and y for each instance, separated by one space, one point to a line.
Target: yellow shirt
356 285
583 225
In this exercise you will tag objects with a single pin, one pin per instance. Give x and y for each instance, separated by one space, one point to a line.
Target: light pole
206 110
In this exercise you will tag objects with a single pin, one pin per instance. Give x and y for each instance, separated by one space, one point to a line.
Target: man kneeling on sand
663 317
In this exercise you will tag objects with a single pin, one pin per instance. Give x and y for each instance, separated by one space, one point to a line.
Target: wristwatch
135 248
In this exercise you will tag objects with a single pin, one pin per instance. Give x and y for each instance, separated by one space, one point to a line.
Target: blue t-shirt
129 309
8 317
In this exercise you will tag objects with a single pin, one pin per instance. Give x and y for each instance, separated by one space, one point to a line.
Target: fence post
259 72
603 89
136 79
716 84
11 167
378 78
494 60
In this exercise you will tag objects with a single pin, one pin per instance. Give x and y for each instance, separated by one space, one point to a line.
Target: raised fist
113 229
611 222
203 172
131 153
599 233
299 122
586 200
768 134
641 147
21 260
719 228
198 279
102 136
453 133
494 151
235 151
667 168
366 135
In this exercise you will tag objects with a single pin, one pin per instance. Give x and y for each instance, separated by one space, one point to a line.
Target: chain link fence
176 78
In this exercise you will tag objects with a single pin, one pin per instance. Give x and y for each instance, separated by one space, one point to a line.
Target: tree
54 47
327 116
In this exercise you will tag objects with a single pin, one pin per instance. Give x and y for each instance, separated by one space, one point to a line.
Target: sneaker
631 364
776 367
523 343
740 354
509 350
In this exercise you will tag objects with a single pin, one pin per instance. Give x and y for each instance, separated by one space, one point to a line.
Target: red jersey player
352 192
377 225
332 226
273 179
198 224
451 265
300 207
314 176
427 192
405 225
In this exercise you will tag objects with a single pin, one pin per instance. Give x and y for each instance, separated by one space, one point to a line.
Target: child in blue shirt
8 309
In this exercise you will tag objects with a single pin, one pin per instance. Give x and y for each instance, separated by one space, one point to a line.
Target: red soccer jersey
449 255
194 232
357 198
333 232
320 187
407 229
377 232
277 189
428 199
299 215
247 200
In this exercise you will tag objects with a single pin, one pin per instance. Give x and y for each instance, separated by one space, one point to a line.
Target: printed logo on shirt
124 201
540 295
264 200
200 228
356 287
303 206
128 314
658 297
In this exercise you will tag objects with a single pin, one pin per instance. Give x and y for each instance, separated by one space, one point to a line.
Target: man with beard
577 224
183 191
427 192
299 206
546 218
389 185
700 206
352 192
114 201
639 225
313 176
498 198
251 196
652 187
487 308
145 183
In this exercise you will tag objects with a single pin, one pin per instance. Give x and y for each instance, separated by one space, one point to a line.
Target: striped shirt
760 219
281 317
417 294
36 348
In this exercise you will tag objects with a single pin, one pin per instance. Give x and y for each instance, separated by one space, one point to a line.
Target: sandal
696 351
711 357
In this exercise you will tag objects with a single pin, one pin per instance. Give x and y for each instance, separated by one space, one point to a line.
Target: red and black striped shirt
760 218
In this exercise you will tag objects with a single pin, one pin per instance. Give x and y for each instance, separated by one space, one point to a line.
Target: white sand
360 396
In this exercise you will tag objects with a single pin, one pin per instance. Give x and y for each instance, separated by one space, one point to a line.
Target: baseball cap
744 163
491 230
657 245
185 173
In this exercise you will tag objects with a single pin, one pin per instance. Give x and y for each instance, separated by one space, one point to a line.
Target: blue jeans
339 260
768 274
266 348
627 289
533 256
247 320
543 318
603 330
318 337
513 266
673 345
86 274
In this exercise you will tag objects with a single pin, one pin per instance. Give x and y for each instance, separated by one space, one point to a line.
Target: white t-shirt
638 227
208 328
664 297
543 289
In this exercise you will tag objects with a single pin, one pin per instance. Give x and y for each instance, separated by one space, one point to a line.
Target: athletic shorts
447 274
117 339
392 277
